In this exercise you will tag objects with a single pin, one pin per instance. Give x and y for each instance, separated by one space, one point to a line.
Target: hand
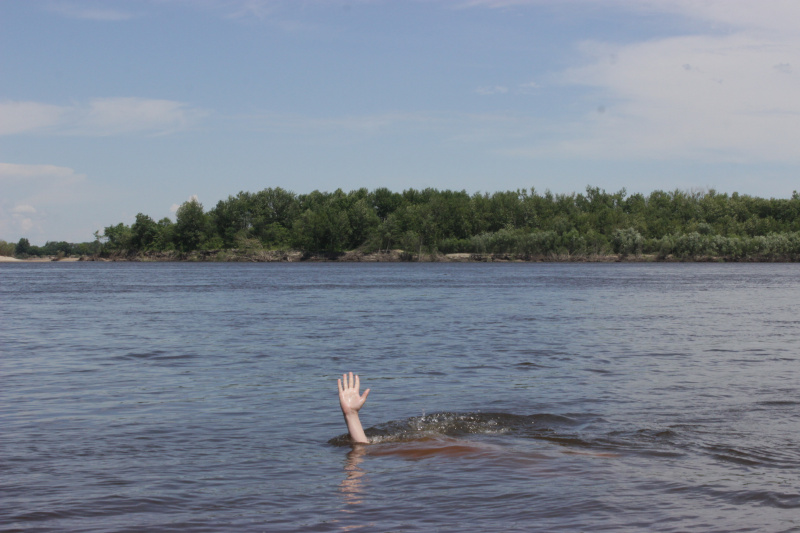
349 398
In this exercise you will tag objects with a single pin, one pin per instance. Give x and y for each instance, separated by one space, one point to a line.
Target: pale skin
351 402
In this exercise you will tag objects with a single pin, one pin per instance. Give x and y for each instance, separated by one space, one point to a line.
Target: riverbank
400 256
48 259
390 256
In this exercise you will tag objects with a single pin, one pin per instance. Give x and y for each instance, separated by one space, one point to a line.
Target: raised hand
349 398
351 401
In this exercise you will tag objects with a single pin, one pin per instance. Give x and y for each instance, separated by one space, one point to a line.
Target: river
504 397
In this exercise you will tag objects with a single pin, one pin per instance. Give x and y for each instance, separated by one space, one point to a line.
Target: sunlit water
505 397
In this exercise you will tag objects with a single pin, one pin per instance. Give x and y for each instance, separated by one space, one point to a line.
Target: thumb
364 396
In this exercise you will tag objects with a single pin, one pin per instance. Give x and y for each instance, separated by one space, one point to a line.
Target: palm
349 398
351 401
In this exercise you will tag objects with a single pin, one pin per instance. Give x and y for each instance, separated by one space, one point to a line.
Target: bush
7 248
627 241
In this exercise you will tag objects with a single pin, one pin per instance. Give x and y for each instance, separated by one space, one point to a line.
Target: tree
164 239
7 248
191 226
143 232
627 241
117 237
363 221
324 229
23 248
385 202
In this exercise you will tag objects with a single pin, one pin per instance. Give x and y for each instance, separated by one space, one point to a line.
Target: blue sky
108 108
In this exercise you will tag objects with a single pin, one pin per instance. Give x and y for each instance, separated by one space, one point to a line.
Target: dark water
505 397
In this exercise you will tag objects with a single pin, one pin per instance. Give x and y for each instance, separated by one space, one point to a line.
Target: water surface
515 397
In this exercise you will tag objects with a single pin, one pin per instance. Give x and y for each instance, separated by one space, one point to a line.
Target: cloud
349 124
250 8
525 88
767 15
770 15
103 13
494 89
98 117
26 186
110 116
31 191
192 198
726 97
724 91
20 218
20 117
522 88
52 173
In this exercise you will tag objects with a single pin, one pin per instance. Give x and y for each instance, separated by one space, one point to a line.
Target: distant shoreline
47 259
391 256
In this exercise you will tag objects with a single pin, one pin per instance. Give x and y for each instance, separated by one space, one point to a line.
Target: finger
358 383
344 381
350 386
364 396
339 383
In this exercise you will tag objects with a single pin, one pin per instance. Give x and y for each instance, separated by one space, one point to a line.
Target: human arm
351 401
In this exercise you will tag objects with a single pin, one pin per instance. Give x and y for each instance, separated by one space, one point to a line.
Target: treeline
24 249
523 223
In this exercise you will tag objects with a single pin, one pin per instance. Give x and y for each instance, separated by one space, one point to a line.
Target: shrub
627 241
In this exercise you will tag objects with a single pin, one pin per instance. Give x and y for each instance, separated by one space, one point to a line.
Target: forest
524 224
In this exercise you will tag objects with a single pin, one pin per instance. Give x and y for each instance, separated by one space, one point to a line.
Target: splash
459 425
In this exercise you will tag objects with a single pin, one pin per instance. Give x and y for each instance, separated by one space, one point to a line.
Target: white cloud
103 13
357 124
765 15
528 87
32 193
26 186
109 116
52 173
24 209
21 218
192 198
20 117
730 97
771 15
490 90
250 8
98 117
725 93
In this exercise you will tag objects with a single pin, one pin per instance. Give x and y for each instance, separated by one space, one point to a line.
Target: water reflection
352 486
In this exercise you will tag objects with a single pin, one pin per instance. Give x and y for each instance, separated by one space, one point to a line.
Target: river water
504 397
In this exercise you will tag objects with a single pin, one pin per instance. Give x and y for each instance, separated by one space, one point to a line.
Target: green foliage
192 226
60 249
322 230
165 236
7 248
116 238
680 224
627 241
143 232
23 248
